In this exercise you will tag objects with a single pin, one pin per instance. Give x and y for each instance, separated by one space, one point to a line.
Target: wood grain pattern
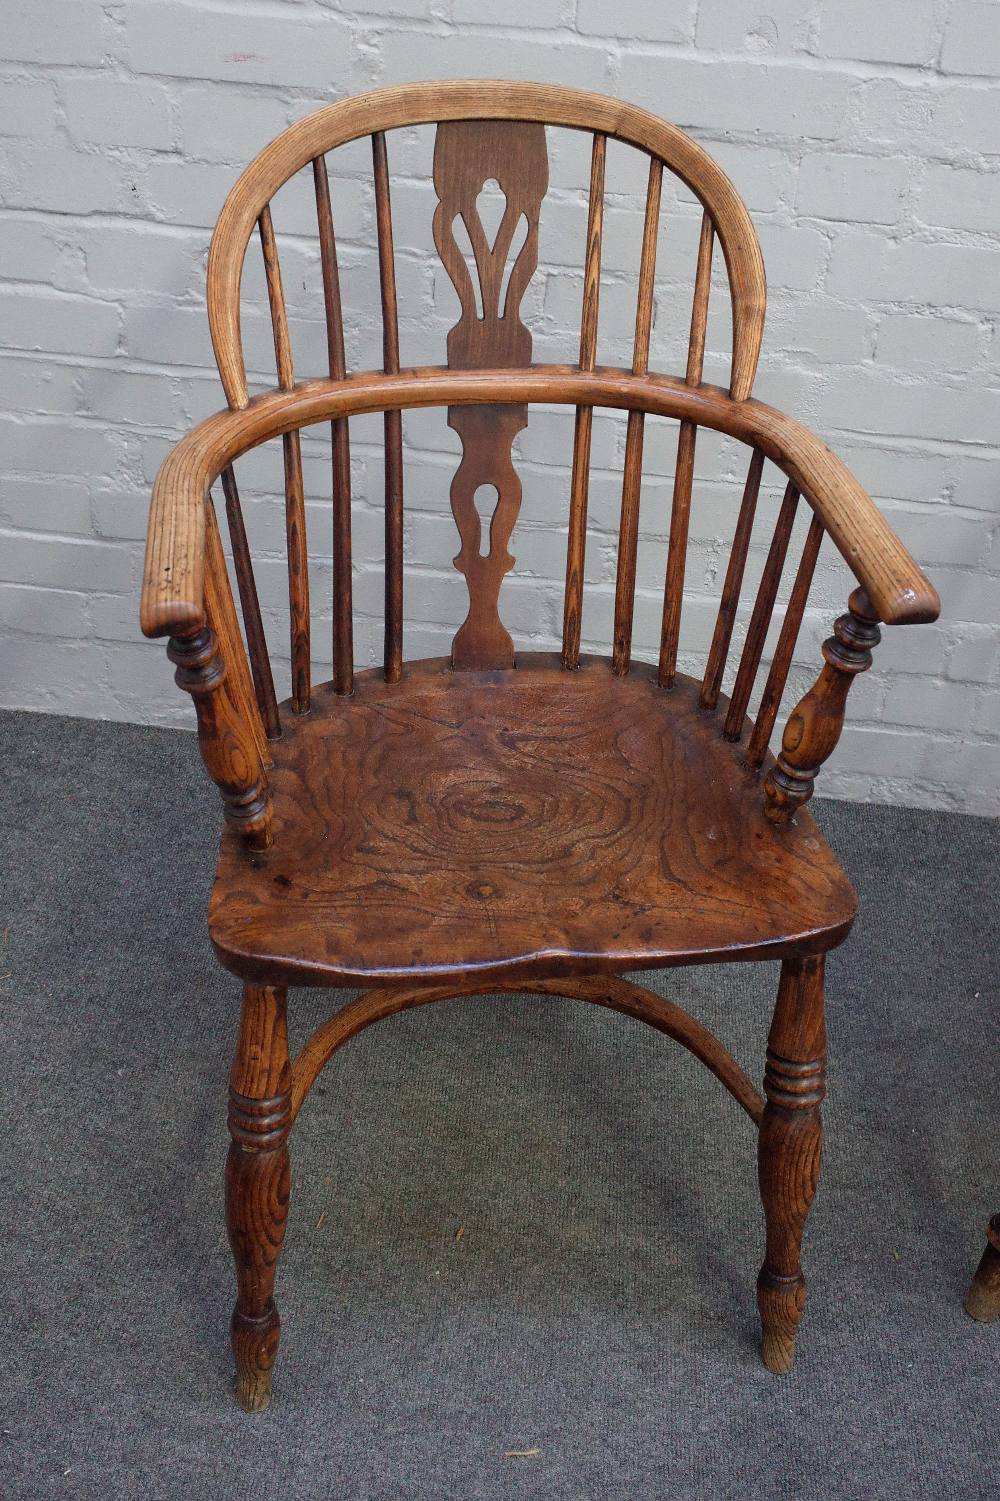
442 833
983 1301
814 726
221 612
260 660
611 991
297 548
628 526
258 1185
592 260
579 489
499 825
718 654
789 1148
276 301
173 582
295 505
392 422
482 99
775 686
467 155
343 613
225 739
760 619
628 545
680 509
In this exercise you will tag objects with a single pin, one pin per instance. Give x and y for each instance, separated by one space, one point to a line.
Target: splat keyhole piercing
491 206
486 500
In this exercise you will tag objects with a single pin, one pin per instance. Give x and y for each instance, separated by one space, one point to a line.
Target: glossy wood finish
173 581
258 1185
729 603
481 99
343 616
760 619
432 833
295 504
260 661
628 529
610 991
983 1301
788 1153
814 727
770 701
505 825
393 421
680 509
580 479
222 614
468 154
228 748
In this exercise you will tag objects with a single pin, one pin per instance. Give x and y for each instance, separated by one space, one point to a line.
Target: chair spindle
343 646
730 600
775 686
680 511
260 661
393 421
580 481
295 507
760 619
221 615
628 530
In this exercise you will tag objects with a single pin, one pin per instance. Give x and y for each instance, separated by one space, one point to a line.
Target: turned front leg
789 1151
983 1302
257 1185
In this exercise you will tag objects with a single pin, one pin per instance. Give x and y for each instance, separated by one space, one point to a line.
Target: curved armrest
173 582
898 589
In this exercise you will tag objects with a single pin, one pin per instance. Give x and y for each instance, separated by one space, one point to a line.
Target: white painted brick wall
865 139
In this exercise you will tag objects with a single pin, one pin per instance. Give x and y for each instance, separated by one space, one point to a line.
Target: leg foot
789 1152
255 1346
257 1186
983 1301
780 1301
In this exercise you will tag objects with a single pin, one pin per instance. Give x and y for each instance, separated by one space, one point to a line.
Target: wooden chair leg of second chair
789 1151
983 1301
257 1185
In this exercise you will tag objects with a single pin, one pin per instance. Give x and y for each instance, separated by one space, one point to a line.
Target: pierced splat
490 177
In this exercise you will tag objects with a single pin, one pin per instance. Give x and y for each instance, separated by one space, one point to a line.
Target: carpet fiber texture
517 1224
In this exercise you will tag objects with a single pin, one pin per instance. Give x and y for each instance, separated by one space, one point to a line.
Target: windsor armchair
493 822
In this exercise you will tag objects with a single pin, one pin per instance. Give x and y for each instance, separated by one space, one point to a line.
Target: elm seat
504 820
512 819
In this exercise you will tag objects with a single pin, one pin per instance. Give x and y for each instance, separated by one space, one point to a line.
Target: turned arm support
207 650
815 723
226 740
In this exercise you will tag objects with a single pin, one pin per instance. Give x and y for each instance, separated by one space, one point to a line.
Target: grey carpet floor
598 1307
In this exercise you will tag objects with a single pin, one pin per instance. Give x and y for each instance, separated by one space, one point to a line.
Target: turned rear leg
789 1151
983 1302
257 1185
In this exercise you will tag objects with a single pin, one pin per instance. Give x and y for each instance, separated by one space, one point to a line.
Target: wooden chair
455 826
